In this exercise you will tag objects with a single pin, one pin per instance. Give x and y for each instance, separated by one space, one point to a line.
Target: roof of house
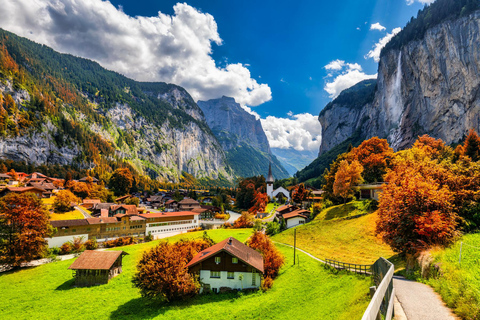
96 260
91 201
168 214
236 249
155 198
46 186
129 208
84 179
102 205
270 176
125 197
296 213
199 210
170 201
102 220
188 201
211 208
69 223
24 189
5 176
284 207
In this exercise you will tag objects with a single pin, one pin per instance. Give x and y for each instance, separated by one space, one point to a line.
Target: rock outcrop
429 86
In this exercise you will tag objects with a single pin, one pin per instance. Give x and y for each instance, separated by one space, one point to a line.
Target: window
234 260
230 275
215 274
218 260
74 230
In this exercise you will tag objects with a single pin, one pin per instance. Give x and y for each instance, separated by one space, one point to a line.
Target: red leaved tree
347 177
162 271
374 155
261 200
300 193
273 260
24 225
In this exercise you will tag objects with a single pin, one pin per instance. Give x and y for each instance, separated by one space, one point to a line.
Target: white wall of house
172 227
295 221
235 283
283 191
58 241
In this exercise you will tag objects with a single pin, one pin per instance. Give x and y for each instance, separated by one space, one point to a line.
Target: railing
382 300
357 268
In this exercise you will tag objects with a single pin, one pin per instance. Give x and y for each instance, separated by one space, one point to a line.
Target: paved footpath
420 302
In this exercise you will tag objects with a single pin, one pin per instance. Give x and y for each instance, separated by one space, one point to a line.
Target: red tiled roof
188 201
199 210
96 260
89 201
129 208
296 213
102 220
284 207
24 189
68 223
170 201
168 214
236 249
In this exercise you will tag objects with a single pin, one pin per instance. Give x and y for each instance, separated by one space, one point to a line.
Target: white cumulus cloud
301 131
377 48
410 2
171 48
377 26
346 75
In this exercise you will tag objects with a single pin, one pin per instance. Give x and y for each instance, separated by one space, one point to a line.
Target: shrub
221 216
245 221
149 237
162 271
77 244
91 244
257 225
267 283
66 248
272 228
54 251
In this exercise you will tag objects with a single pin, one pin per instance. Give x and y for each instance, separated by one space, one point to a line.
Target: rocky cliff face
429 86
242 137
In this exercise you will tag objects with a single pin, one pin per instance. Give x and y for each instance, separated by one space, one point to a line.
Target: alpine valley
65 110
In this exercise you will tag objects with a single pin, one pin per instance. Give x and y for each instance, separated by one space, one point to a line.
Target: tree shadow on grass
67 285
143 308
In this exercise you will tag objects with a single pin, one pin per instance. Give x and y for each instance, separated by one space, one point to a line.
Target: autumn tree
64 200
162 273
261 201
374 155
273 260
346 178
24 225
416 211
434 148
300 193
247 189
245 220
471 146
121 181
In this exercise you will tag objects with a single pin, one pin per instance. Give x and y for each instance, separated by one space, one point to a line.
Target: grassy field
345 233
303 291
459 283
71 215
270 206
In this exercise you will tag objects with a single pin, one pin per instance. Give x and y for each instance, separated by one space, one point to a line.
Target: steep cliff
242 137
427 84
60 109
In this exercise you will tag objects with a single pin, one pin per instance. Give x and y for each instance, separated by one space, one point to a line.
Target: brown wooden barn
96 267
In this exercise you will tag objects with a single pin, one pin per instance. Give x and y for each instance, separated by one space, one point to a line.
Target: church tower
270 182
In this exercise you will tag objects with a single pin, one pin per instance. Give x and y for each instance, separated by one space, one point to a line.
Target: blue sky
282 60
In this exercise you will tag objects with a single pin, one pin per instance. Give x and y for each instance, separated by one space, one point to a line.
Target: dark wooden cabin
96 267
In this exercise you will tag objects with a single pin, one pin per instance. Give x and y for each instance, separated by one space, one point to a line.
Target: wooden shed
96 267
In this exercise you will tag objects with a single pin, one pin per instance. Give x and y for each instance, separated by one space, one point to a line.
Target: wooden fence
357 268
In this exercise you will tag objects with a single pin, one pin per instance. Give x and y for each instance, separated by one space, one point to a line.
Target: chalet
228 264
88 179
208 212
155 201
188 204
36 175
285 209
39 192
4 177
89 203
96 267
171 205
98 207
128 209
295 218
123 198
371 191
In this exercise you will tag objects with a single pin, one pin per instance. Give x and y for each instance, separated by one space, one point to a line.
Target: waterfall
395 100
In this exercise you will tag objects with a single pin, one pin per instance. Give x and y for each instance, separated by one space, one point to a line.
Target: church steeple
270 176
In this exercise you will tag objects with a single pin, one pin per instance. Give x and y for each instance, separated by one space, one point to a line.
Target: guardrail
382 300
357 268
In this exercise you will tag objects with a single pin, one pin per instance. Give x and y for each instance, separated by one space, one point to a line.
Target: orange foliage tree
64 200
273 260
416 210
24 225
162 271
471 146
300 193
121 181
347 177
374 155
245 220
261 200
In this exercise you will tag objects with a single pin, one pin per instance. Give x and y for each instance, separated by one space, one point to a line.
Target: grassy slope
459 284
333 236
45 292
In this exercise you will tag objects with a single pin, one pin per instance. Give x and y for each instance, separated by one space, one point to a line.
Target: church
277 193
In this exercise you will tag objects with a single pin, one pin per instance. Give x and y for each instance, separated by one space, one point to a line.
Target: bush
162 272
54 251
272 228
77 244
245 221
221 216
123 241
267 283
66 248
257 225
148 237
91 244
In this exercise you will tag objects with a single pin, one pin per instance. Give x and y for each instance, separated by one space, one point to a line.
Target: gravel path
83 211
420 302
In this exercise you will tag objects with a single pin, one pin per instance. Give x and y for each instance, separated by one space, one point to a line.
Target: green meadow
304 291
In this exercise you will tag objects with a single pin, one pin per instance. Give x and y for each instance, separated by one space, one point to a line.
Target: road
83 211
233 216
420 302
